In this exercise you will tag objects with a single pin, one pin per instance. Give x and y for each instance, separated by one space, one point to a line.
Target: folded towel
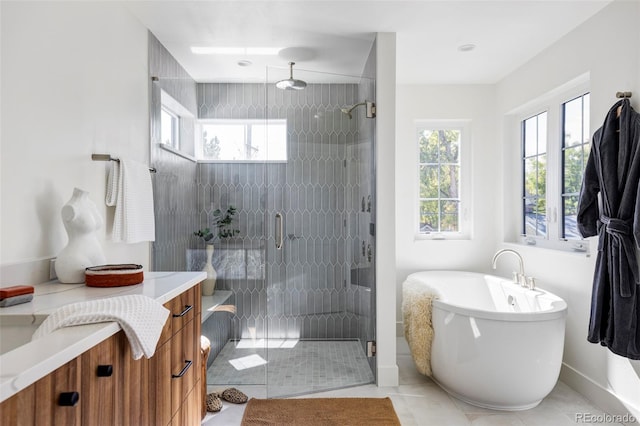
129 189
141 318
418 329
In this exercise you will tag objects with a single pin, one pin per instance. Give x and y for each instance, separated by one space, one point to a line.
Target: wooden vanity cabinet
111 388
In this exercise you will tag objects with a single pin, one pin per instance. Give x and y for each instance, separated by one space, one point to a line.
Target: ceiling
336 36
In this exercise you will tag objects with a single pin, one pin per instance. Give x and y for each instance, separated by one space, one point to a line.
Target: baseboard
388 375
603 398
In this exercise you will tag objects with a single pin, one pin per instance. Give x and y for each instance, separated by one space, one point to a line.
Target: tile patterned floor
418 401
315 365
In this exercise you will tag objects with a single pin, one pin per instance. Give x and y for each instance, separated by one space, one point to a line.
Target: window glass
439 172
169 128
575 151
535 175
244 140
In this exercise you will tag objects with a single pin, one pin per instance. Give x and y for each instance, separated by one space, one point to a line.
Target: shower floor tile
291 367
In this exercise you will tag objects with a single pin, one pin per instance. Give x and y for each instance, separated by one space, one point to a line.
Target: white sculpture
81 219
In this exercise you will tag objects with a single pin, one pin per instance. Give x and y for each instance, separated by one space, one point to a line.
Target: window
243 140
555 148
169 128
440 180
176 124
575 152
534 164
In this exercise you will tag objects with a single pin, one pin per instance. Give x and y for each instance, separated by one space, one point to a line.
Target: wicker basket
114 275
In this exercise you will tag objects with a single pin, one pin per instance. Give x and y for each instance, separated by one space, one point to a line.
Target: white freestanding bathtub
496 344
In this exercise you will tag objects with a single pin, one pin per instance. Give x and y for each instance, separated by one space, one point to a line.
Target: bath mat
320 412
418 329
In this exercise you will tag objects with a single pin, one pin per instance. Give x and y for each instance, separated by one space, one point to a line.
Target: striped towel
130 190
141 318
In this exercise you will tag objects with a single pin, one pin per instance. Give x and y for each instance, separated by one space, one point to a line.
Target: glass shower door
320 225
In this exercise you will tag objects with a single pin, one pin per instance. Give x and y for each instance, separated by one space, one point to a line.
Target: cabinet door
102 383
138 398
160 375
55 396
20 409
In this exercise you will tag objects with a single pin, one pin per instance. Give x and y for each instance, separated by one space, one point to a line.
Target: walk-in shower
300 272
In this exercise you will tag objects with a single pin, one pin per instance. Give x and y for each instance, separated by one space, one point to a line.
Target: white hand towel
141 318
129 189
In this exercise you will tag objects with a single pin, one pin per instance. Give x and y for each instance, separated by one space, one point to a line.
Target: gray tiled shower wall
319 192
174 184
310 294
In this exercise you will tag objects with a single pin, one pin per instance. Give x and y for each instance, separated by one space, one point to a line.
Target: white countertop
26 364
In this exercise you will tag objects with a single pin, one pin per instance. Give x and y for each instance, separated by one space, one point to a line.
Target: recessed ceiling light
244 63
216 50
466 47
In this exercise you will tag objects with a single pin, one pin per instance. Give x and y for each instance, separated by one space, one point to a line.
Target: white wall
385 201
74 82
473 103
608 47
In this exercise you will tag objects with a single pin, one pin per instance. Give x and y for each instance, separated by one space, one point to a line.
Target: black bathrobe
609 205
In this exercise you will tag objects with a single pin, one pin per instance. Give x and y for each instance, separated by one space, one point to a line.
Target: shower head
371 109
291 83
348 111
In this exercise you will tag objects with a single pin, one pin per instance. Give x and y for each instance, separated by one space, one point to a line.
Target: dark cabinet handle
105 370
187 365
187 308
68 399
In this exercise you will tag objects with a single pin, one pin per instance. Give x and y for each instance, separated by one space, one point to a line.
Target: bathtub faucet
518 277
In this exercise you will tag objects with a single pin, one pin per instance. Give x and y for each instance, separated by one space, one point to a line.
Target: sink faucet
518 277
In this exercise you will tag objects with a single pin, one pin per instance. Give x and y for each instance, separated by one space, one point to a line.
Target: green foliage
223 221
205 234
439 180
535 182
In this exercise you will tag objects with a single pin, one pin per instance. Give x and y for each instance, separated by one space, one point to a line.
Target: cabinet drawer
185 363
182 309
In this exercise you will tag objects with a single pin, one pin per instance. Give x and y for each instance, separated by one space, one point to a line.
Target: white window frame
174 141
182 116
551 103
239 121
466 190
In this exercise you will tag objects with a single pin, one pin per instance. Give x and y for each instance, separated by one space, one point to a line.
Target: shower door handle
279 231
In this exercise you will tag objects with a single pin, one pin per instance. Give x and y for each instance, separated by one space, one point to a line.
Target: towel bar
107 157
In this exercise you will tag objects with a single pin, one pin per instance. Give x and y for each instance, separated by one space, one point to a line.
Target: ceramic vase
209 284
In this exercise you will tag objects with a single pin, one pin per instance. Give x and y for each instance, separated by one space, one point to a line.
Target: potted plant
223 222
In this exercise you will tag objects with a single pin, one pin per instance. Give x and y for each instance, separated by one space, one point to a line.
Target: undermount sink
16 330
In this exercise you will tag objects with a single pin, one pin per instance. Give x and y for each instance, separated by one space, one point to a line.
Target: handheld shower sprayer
370 113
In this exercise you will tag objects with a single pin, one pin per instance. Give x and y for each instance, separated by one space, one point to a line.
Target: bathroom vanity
87 375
